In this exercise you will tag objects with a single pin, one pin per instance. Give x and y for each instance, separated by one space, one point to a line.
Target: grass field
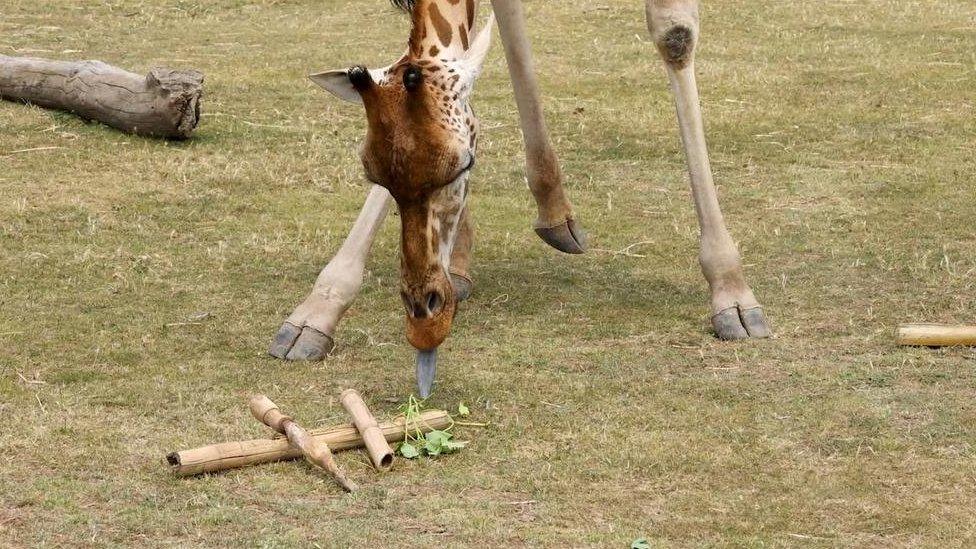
843 139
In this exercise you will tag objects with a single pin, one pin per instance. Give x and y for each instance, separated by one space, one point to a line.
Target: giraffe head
420 144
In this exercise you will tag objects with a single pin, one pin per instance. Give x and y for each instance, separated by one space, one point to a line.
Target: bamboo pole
379 449
935 335
315 451
242 453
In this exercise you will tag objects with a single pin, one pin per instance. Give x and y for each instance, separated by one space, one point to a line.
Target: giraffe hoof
284 340
738 323
755 322
567 237
312 345
462 286
294 343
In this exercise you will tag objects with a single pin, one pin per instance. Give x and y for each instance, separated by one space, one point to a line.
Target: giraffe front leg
736 314
555 224
307 334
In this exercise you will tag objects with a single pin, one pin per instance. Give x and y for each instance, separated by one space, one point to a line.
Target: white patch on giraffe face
445 213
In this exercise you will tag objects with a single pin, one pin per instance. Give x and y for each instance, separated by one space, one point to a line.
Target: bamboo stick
242 453
315 451
936 335
379 449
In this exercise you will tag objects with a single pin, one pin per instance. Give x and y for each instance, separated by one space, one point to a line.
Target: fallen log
230 455
935 335
164 103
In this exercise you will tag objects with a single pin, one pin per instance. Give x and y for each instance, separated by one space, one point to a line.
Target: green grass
842 138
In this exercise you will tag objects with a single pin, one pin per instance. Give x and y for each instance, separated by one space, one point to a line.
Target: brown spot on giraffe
441 25
463 32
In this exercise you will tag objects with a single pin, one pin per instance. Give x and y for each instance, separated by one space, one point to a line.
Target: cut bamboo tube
315 451
379 449
936 335
242 453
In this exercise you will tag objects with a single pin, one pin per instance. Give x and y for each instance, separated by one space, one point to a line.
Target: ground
142 280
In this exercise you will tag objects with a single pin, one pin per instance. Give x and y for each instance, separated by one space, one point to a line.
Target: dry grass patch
843 144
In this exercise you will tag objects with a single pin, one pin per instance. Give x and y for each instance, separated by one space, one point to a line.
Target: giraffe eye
412 78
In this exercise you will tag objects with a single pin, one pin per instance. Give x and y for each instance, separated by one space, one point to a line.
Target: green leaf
463 410
640 543
438 437
408 450
433 448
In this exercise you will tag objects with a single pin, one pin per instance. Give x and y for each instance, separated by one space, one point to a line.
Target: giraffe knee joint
674 29
677 45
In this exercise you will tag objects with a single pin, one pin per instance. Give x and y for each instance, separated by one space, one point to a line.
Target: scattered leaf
432 444
640 543
463 410
408 450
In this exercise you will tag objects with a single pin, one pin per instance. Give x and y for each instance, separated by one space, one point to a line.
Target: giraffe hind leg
736 313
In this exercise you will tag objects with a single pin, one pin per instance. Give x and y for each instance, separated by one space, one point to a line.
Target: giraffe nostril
409 305
434 302
429 306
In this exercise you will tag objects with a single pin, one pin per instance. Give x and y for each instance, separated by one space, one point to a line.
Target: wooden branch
315 451
164 103
230 455
936 335
379 449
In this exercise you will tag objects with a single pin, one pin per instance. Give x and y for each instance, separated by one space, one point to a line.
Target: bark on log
164 103
230 455
936 335
314 450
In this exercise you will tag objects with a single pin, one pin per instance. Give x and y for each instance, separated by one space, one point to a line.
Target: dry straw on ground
843 142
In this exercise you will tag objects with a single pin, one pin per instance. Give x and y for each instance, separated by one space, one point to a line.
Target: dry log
936 335
230 455
315 451
164 103
379 449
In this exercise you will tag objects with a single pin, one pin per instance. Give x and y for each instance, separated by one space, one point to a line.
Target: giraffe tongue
426 369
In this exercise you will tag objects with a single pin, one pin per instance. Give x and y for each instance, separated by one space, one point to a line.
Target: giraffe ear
475 56
338 84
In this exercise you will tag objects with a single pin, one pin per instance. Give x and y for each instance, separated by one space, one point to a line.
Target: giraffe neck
442 28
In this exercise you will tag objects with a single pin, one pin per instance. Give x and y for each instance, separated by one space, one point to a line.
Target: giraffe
420 149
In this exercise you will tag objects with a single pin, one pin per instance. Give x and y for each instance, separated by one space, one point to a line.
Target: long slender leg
307 334
555 223
736 313
461 257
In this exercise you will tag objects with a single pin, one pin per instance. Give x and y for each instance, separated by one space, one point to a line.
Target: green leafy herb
408 450
432 444
463 410
640 543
